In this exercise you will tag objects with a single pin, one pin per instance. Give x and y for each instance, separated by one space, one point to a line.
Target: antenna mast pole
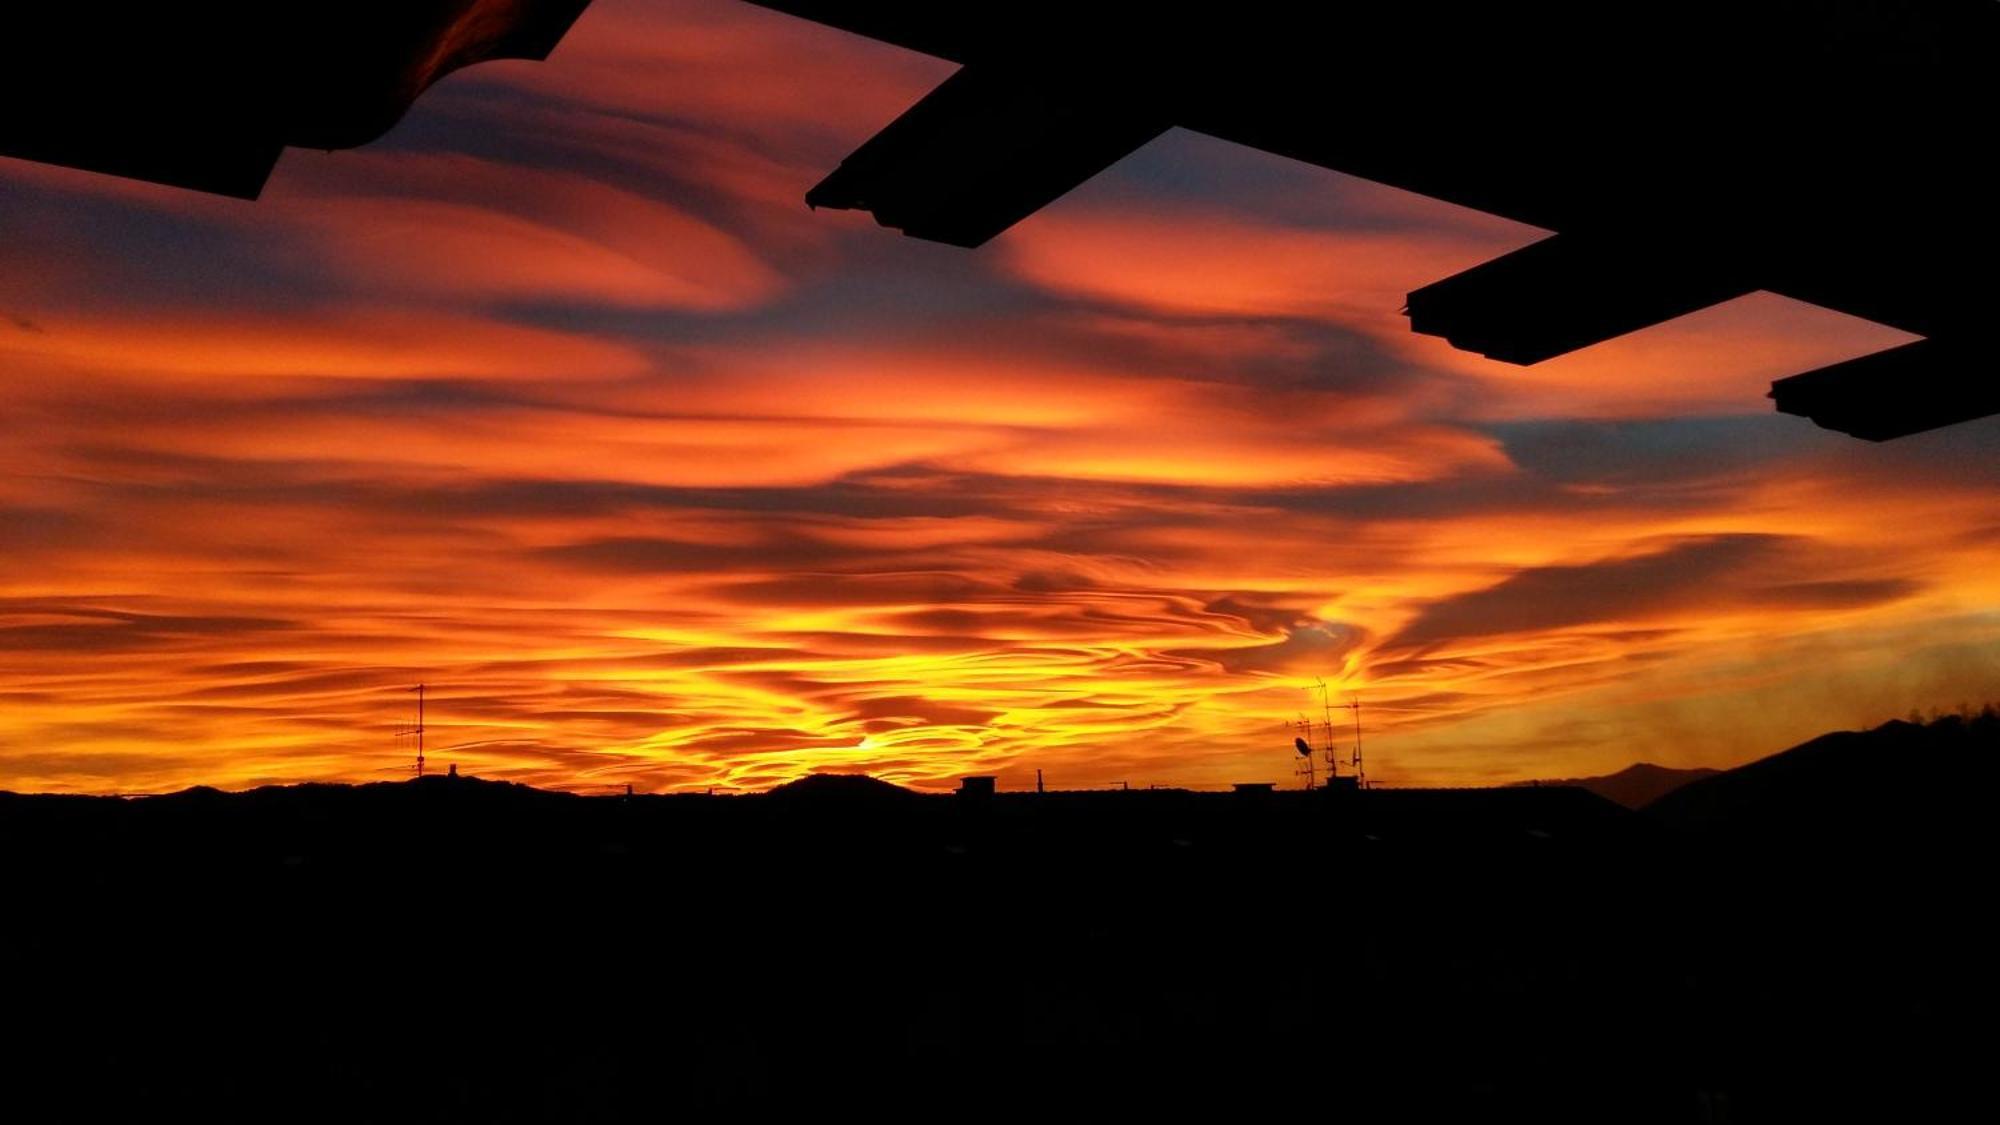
1303 766
1360 774
1326 711
420 730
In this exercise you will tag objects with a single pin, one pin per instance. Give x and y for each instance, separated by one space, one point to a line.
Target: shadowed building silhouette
1501 954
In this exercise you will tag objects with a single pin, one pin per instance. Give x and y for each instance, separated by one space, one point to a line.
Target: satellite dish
1304 750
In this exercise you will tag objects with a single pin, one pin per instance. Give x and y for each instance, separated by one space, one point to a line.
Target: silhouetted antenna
416 730
1360 774
1326 711
1302 767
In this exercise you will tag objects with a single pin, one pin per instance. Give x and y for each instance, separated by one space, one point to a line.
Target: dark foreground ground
458 950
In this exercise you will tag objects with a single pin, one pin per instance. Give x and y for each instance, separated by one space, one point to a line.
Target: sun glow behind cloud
559 400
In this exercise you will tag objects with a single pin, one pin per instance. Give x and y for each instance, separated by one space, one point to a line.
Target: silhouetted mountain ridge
1635 786
842 787
1898 783
462 787
466 788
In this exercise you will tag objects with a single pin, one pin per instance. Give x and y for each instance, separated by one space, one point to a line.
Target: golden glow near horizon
559 400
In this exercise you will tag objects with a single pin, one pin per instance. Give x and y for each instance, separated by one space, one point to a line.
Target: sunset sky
558 399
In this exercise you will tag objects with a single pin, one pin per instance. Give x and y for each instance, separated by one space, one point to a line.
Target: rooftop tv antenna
416 730
1326 710
1360 774
1303 744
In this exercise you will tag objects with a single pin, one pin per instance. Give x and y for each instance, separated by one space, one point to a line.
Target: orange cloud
351 343
463 229
1188 262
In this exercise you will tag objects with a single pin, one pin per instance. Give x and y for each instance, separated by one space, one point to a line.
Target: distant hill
1635 786
843 788
463 790
1897 782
